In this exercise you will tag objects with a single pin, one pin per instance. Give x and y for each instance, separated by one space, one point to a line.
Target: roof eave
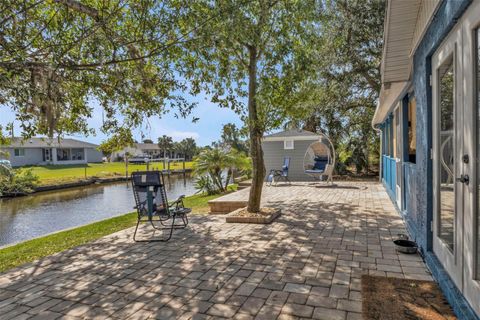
388 99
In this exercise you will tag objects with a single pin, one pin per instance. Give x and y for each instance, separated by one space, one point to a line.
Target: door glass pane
447 158
478 148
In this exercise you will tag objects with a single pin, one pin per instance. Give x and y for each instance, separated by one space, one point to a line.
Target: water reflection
32 216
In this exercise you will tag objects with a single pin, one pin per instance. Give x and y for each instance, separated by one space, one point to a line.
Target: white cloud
180 135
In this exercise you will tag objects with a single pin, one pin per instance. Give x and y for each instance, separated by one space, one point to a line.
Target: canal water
24 218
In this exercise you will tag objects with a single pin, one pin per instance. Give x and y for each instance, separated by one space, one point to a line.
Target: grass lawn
32 250
70 173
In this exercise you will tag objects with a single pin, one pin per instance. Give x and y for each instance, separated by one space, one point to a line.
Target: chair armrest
177 202
142 205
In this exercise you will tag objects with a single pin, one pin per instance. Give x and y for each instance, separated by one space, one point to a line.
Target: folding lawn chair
152 204
276 175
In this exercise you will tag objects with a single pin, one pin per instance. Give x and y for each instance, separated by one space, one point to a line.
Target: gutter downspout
381 153
375 127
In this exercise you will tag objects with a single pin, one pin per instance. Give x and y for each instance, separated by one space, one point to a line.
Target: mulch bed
265 216
393 298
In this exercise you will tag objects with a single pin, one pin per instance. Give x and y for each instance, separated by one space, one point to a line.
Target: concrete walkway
307 264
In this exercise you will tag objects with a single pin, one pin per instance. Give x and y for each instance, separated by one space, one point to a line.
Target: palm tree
187 148
238 162
177 149
213 162
165 143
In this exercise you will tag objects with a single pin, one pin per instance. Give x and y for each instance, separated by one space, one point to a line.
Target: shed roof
40 142
291 134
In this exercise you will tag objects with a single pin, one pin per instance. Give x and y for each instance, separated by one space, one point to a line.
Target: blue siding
389 168
454 296
419 219
442 23
417 181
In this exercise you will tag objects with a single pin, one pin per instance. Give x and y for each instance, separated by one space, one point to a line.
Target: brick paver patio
307 264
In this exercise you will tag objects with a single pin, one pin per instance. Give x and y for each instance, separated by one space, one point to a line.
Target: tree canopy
340 95
257 50
56 57
304 63
166 144
187 148
232 138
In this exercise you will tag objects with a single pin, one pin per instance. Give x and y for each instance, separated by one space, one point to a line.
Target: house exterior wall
93 155
32 156
121 153
135 151
442 23
418 177
274 154
152 152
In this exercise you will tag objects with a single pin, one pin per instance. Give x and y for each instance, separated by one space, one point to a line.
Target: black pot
405 246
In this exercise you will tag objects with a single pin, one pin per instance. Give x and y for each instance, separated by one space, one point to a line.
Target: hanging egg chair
319 160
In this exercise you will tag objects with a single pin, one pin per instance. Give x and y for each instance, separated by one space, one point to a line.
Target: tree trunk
229 176
255 130
218 184
311 124
164 156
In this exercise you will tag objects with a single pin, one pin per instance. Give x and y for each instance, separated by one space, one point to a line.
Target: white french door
456 154
448 148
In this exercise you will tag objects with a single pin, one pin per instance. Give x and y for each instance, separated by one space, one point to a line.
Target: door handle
464 178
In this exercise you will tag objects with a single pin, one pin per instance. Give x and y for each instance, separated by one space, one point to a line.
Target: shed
291 144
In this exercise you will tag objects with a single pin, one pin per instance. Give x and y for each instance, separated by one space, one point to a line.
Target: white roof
292 135
39 142
405 25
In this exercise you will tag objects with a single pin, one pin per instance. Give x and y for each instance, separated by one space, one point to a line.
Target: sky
206 130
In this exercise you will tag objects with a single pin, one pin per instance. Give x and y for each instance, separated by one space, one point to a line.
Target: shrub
204 184
18 182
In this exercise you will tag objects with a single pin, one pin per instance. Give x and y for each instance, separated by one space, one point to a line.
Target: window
19 152
288 144
447 217
78 154
63 154
388 135
397 151
477 83
412 131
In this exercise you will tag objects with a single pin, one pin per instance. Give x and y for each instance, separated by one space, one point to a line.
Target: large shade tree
340 95
255 51
58 56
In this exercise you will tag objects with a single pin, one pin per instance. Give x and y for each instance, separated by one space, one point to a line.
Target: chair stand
183 225
280 179
170 228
